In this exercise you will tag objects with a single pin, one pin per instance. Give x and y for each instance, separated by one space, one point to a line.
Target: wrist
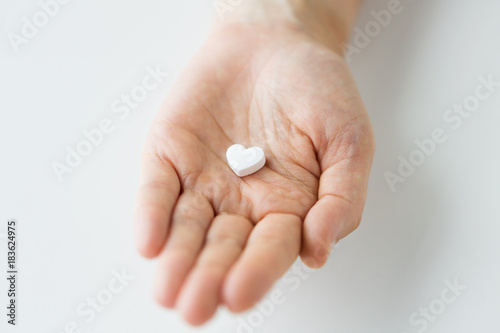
328 22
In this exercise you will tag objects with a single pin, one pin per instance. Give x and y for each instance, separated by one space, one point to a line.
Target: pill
245 161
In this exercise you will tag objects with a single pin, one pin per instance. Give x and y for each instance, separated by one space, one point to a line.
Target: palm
230 238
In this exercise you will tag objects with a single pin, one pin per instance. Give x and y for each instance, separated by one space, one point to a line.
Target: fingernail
335 233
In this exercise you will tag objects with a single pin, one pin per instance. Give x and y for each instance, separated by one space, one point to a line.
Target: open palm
222 239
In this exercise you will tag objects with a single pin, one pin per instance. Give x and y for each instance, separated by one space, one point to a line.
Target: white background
442 223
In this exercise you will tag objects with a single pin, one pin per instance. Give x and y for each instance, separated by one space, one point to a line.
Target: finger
200 296
191 218
158 192
271 249
341 199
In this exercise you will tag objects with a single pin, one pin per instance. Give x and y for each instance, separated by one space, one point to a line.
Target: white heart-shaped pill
245 161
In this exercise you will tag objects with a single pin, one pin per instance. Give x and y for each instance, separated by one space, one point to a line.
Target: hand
222 239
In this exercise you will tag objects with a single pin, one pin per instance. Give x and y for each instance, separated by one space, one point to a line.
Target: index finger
271 249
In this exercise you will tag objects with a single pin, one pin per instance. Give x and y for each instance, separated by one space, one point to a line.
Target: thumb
345 164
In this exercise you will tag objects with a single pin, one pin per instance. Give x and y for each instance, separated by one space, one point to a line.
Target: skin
279 83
